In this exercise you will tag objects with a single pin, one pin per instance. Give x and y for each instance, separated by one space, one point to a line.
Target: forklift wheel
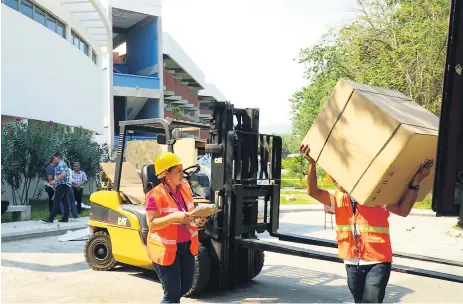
244 272
98 253
202 272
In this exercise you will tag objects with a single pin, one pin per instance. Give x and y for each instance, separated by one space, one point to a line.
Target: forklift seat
149 178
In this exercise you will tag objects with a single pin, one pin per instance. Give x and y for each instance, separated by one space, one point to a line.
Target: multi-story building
52 61
152 76
78 77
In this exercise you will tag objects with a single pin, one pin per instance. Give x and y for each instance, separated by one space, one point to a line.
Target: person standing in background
79 179
62 185
49 172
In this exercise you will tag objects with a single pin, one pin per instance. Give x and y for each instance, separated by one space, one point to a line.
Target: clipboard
205 210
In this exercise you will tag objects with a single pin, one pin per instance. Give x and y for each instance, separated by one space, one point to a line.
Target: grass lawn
301 197
39 210
301 184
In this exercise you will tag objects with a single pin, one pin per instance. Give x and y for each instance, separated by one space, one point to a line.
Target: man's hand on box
423 171
304 149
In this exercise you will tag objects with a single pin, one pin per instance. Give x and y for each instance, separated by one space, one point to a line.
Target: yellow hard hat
166 161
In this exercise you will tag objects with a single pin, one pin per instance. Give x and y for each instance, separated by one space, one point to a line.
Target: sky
247 48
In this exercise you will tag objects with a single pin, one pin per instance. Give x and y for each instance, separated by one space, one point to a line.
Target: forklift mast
450 146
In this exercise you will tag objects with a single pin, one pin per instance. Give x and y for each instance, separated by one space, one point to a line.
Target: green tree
394 44
26 150
290 145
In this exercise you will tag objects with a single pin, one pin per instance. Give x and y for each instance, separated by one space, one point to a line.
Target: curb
26 236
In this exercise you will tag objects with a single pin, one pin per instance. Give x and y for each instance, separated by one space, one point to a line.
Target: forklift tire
98 252
259 258
202 272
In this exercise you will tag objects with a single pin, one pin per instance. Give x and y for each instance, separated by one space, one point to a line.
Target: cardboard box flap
373 89
404 111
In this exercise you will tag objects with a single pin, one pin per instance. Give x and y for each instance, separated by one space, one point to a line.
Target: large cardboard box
372 141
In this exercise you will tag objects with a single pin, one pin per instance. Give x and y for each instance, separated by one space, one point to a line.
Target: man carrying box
362 232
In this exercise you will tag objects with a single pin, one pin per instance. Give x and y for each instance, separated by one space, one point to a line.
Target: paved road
47 271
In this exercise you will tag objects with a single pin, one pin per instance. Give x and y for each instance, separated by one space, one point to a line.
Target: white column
110 84
160 66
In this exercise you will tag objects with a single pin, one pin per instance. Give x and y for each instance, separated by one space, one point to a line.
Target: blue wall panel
142 45
132 81
149 110
121 68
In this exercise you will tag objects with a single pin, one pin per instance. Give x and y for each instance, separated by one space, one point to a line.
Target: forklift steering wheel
186 172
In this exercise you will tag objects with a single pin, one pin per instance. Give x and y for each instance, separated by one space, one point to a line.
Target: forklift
246 174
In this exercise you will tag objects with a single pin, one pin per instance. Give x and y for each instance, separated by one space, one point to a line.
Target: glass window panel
27 8
51 23
94 58
12 3
60 29
39 16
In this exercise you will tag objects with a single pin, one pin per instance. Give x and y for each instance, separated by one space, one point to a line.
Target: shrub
27 147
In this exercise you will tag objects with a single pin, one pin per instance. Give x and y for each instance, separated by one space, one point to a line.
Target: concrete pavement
43 270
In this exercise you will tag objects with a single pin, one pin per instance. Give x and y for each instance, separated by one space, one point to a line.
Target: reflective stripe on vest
362 228
162 240
168 210
162 243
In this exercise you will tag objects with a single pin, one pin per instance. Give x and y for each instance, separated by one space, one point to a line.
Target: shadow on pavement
284 284
45 268
43 245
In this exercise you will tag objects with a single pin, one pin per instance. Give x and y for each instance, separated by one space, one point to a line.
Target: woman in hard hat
173 236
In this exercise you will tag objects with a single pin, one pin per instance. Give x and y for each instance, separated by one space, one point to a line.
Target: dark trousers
61 194
78 196
50 193
177 279
367 283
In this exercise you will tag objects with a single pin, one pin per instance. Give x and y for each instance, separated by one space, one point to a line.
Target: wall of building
180 89
149 7
45 77
149 110
142 47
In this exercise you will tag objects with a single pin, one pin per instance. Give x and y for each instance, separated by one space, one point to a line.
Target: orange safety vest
372 226
162 244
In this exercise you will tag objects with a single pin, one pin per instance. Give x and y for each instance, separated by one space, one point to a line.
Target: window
33 11
12 3
94 57
61 29
80 43
27 8
39 15
51 23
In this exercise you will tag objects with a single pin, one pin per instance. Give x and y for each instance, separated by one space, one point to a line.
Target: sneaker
63 221
46 221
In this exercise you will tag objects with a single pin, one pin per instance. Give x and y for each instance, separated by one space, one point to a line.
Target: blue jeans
72 201
367 283
61 195
177 279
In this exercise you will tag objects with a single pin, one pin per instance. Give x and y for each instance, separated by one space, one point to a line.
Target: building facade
93 63
152 76
53 55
